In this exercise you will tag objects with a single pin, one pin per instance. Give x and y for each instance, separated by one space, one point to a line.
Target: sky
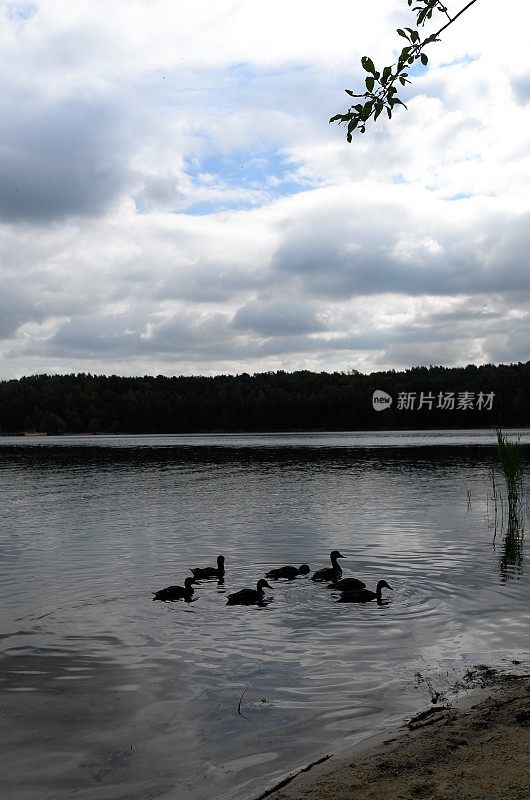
173 200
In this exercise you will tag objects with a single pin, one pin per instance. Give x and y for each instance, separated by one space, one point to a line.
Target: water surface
105 693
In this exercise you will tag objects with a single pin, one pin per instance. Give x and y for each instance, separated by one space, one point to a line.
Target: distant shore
475 750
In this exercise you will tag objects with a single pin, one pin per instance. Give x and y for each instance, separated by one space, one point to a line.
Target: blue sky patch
266 173
460 196
467 59
22 11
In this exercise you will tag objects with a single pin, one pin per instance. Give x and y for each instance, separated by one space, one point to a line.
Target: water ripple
86 539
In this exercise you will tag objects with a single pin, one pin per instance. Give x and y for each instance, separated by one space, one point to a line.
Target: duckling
364 595
246 597
211 572
347 585
176 592
332 573
288 572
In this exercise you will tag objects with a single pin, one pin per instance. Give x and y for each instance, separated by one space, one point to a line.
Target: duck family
352 590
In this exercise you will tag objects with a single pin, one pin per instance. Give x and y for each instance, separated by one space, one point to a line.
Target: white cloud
124 120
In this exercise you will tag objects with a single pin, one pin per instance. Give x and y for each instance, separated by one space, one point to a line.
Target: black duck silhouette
247 597
288 572
176 592
364 595
204 573
347 585
332 573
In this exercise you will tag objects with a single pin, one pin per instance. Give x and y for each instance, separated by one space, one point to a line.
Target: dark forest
422 398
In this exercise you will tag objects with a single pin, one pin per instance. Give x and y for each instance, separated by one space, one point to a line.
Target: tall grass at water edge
511 461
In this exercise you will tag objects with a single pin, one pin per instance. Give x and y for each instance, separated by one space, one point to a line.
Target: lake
107 694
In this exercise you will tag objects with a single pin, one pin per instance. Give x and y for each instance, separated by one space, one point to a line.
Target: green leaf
367 110
402 33
424 59
370 84
386 74
368 64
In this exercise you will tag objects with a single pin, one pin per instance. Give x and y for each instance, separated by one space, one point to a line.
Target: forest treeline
422 397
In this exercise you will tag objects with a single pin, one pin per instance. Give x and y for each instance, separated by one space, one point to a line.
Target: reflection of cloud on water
88 721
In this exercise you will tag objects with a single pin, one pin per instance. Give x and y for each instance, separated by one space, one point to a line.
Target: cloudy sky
173 200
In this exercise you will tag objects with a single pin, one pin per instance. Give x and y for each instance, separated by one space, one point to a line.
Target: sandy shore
478 749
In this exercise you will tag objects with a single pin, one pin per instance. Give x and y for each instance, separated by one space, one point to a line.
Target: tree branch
381 92
453 19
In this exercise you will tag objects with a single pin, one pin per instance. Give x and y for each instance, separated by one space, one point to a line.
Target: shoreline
477 748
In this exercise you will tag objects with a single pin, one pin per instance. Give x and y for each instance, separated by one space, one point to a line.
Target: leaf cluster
381 85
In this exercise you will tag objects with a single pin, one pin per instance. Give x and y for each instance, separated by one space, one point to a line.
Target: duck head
188 583
262 583
220 563
383 585
303 569
335 554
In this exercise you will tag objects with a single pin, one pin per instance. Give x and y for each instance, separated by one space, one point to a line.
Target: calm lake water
107 695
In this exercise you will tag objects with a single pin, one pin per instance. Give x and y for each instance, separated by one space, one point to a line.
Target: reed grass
511 462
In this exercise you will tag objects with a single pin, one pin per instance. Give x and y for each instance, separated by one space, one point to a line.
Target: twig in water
290 778
239 704
428 717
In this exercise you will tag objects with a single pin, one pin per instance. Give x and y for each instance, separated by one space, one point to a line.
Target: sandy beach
477 749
